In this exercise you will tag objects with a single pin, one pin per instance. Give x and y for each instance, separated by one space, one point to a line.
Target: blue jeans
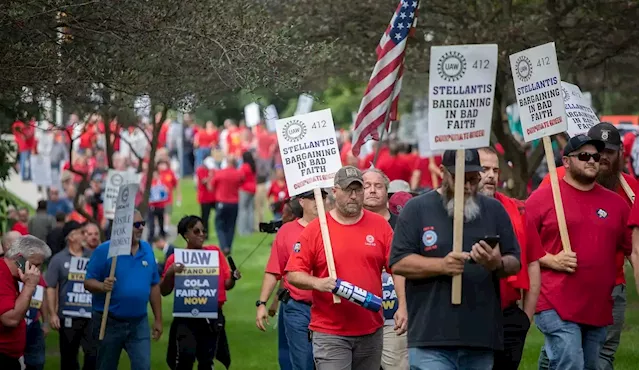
34 351
297 316
25 165
225 222
439 358
201 154
568 345
284 359
131 334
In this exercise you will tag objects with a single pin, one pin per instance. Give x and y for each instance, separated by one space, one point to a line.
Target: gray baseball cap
346 176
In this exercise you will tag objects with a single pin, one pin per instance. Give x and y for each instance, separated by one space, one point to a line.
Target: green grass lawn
252 349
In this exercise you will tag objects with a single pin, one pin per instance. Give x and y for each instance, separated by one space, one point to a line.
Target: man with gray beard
443 336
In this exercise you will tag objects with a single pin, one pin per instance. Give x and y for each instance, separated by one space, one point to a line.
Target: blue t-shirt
135 275
61 205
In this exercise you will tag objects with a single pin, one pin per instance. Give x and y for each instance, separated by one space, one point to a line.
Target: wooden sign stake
326 240
458 222
107 301
627 189
557 196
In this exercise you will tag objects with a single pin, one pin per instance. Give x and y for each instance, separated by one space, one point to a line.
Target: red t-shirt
265 144
204 194
278 192
597 226
365 163
249 183
169 178
225 271
283 245
76 216
20 227
226 183
234 141
633 183
530 251
162 135
633 216
24 135
360 252
12 340
206 139
396 168
344 152
422 165
88 136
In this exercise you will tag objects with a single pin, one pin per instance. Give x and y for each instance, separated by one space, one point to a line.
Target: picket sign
461 94
536 79
310 159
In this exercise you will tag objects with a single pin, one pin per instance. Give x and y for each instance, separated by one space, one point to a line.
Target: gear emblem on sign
452 66
565 95
294 130
524 68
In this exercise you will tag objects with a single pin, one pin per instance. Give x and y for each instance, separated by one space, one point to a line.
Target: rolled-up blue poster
357 295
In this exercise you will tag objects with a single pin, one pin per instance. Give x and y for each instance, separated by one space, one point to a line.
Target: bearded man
444 336
609 174
575 305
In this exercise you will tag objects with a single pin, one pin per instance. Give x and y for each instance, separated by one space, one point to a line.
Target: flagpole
385 124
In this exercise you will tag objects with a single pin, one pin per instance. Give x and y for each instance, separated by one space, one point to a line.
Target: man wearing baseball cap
609 174
575 305
344 335
443 336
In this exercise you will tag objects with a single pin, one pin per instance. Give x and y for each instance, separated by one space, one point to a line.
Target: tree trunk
157 125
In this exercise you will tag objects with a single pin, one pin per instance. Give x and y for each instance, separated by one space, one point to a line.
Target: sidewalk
26 191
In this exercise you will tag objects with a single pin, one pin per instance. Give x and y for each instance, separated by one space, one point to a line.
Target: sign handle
557 196
627 189
326 240
107 301
458 222
434 177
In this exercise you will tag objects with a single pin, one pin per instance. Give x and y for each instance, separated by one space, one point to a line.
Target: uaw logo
370 241
565 95
524 68
452 66
602 213
604 135
125 194
296 247
117 179
429 238
294 130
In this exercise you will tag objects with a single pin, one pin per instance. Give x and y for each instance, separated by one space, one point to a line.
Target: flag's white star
403 16
398 36
405 4
400 26
414 4
411 15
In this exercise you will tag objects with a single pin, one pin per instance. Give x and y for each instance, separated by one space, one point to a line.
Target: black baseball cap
607 133
579 141
471 161
69 227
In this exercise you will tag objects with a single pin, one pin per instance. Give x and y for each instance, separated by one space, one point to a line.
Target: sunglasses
197 231
139 224
585 157
473 180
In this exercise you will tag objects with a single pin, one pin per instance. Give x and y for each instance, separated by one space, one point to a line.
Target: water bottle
357 295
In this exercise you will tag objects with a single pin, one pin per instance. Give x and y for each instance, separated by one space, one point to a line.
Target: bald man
8 239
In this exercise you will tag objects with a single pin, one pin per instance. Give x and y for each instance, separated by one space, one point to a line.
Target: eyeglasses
585 157
358 190
197 231
139 224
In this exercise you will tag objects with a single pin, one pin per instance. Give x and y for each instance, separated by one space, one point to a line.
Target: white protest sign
271 116
536 79
461 89
115 179
40 170
142 106
580 116
309 151
252 114
305 103
122 228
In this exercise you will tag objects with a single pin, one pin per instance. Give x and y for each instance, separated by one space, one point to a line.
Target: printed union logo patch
452 66
602 213
294 131
296 247
429 238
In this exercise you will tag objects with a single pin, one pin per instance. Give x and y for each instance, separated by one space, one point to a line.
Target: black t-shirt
425 228
393 219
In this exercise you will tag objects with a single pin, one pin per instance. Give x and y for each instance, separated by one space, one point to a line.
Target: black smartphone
492 240
21 262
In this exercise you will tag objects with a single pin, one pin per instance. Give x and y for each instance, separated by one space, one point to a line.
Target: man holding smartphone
21 263
445 336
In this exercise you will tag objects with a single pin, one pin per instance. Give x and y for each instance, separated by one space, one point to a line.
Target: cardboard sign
40 170
305 103
389 298
580 115
77 299
536 79
252 114
309 150
196 287
461 90
115 179
122 228
36 303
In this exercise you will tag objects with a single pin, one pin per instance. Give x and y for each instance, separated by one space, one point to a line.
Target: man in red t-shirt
24 135
395 166
22 225
295 312
345 335
633 224
226 185
516 321
206 194
611 164
575 305
27 253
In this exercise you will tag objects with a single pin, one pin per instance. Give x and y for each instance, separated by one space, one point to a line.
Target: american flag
385 83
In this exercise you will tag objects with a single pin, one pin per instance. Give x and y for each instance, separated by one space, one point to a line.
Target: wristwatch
259 303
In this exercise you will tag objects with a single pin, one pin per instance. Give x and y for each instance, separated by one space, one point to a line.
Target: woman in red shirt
278 193
197 339
204 141
247 195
